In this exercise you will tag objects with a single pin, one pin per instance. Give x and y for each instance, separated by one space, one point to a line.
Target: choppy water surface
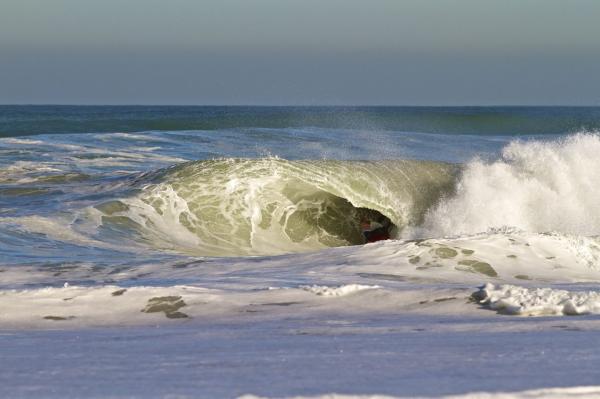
146 187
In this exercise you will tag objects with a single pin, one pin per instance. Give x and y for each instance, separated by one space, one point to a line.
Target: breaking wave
535 186
228 207
270 206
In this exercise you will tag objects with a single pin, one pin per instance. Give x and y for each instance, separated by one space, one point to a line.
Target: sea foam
516 300
536 186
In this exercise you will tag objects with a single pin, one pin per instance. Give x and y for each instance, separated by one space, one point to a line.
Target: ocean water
162 208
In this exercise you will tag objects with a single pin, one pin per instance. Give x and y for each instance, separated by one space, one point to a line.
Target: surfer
374 231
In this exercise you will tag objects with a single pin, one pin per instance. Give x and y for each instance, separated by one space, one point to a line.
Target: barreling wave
268 206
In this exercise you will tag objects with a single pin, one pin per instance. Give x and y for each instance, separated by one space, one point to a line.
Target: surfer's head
365 223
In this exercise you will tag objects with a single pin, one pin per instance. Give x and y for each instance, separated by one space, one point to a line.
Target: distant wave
44 119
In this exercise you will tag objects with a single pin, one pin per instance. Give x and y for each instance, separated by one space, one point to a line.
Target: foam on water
529 217
578 392
435 276
535 186
337 291
523 301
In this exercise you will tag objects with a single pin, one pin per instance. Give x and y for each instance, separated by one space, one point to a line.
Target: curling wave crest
270 206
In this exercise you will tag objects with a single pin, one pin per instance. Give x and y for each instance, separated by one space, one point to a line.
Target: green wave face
270 206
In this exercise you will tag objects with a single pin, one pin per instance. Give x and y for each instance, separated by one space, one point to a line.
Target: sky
300 52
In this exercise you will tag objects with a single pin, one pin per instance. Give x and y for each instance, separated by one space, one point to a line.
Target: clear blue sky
405 52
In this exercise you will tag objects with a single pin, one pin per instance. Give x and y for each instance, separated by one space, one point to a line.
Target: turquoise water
25 120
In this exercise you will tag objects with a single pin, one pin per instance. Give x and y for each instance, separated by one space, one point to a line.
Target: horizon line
304 105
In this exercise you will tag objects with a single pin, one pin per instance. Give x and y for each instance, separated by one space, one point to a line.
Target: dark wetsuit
378 234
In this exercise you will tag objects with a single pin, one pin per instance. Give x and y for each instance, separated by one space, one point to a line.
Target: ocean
117 218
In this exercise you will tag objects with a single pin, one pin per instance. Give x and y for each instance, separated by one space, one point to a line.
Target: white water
585 392
432 276
523 301
535 186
